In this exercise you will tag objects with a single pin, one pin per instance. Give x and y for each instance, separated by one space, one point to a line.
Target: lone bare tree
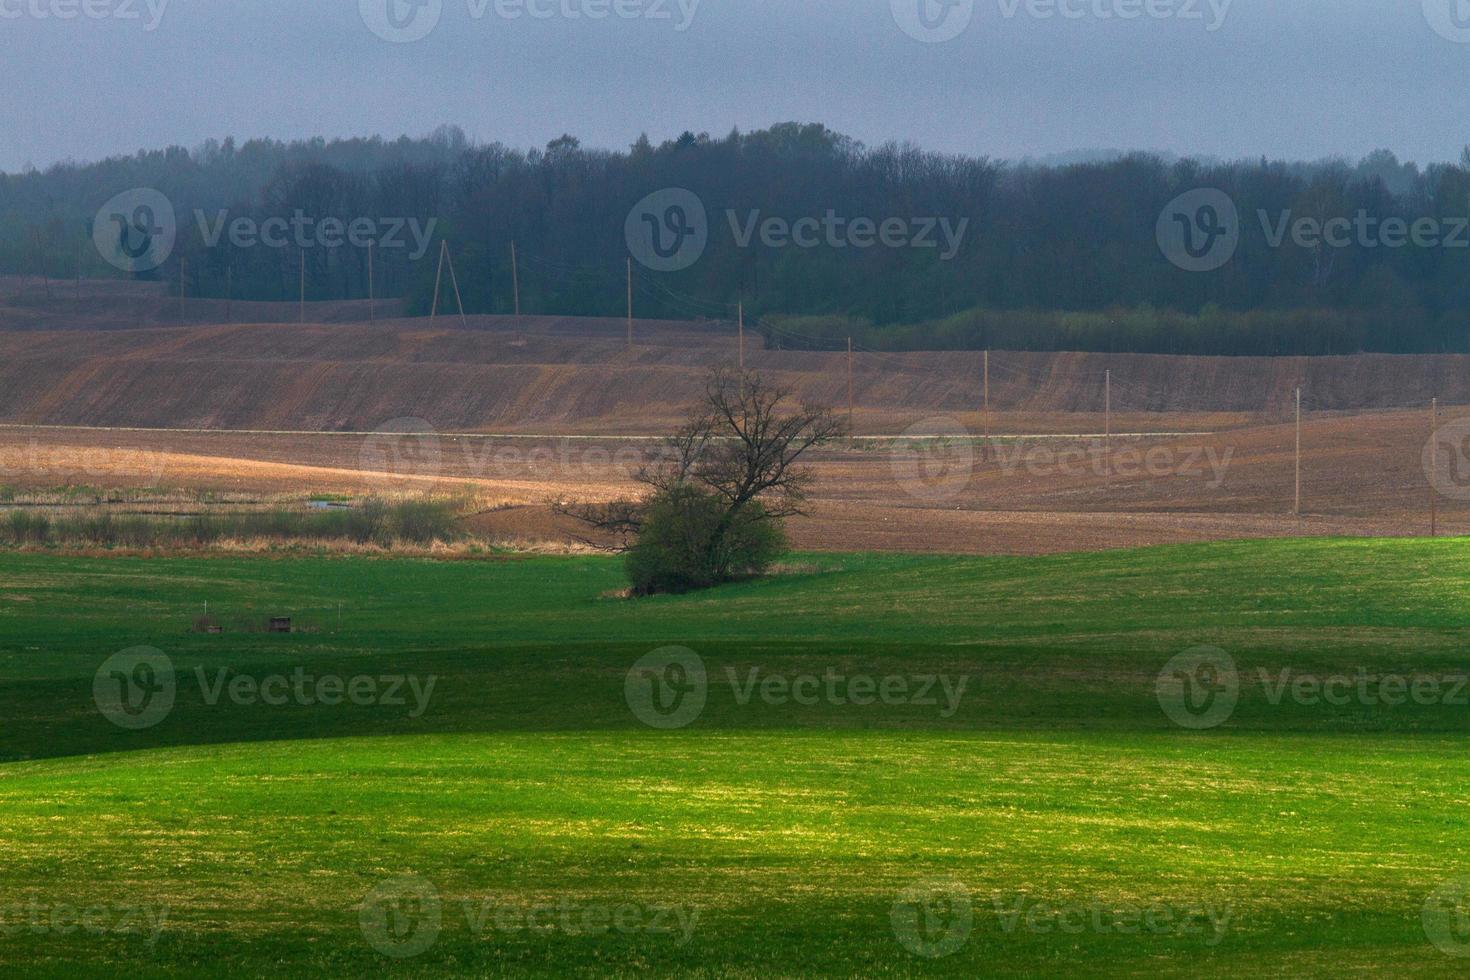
718 493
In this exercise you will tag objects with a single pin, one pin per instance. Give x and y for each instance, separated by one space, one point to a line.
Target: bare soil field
1361 475
108 388
118 354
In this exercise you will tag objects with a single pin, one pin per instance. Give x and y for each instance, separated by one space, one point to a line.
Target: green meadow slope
894 757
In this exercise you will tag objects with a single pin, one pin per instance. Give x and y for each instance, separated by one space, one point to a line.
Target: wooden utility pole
230 293
1297 507
454 279
41 262
630 302
1108 409
987 403
515 280
740 315
372 310
302 302
438 277
1433 468
850 431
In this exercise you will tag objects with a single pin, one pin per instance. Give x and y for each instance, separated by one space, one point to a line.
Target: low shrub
375 521
689 541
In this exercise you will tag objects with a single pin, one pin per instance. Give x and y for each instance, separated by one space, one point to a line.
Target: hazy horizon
1227 79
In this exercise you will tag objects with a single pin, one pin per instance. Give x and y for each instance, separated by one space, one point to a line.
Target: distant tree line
1049 258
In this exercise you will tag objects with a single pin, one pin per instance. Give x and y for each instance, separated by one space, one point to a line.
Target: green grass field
1013 791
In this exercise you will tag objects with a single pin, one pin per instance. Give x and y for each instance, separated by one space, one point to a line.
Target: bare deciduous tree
742 444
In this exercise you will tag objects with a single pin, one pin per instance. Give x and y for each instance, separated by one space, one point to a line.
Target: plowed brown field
1202 446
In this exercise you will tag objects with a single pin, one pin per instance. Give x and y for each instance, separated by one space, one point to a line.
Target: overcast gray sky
1284 78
